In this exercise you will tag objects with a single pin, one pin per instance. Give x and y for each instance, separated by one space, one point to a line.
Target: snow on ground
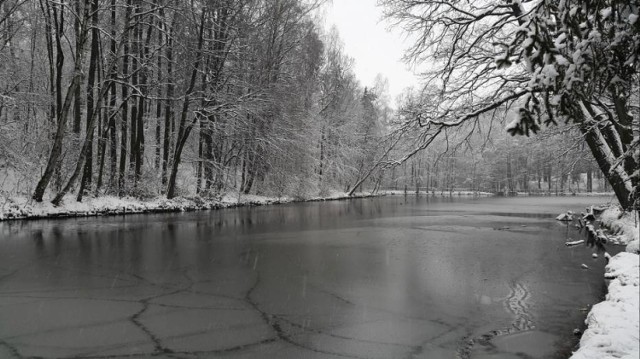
24 207
613 324
613 329
235 198
624 227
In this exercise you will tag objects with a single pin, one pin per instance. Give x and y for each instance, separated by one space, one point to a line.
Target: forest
167 98
148 98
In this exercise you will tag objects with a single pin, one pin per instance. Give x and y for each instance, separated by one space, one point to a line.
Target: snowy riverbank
613 324
25 208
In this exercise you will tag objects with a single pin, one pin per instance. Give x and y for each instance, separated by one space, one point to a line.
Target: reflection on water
523 215
391 277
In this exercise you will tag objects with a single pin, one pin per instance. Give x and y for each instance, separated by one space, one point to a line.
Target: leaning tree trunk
615 174
85 147
62 109
373 168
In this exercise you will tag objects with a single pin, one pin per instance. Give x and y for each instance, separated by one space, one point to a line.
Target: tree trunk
122 170
93 62
185 129
200 158
158 132
87 142
77 95
113 139
135 73
168 105
62 109
144 55
616 178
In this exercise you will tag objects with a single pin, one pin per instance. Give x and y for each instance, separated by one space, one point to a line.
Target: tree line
484 158
168 97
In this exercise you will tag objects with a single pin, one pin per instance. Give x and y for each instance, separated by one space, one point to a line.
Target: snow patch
573 243
565 217
613 329
513 124
613 324
624 226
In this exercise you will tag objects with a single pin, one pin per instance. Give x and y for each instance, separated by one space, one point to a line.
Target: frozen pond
392 277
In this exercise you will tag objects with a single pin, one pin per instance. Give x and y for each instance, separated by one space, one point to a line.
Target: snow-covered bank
624 227
613 324
24 208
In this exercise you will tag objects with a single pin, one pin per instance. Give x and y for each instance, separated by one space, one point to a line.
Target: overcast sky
367 39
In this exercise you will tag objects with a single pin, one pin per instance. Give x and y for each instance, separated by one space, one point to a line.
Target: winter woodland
168 98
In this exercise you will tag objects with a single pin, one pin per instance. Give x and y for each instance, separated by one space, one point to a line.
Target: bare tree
55 13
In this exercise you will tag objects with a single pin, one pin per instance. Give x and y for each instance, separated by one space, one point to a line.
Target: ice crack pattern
518 303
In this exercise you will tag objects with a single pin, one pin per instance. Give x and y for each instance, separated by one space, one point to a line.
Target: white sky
375 49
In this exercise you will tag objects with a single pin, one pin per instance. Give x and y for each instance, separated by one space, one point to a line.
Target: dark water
390 277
